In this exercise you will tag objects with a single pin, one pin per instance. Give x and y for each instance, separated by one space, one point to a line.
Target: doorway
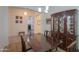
30 25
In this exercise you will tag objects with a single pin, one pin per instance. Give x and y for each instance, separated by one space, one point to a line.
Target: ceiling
52 9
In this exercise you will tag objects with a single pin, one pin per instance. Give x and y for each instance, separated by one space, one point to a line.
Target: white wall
45 26
3 27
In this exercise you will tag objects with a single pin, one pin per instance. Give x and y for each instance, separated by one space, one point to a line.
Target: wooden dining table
39 43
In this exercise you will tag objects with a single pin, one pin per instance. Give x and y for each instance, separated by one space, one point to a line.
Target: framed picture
20 17
17 17
16 21
20 21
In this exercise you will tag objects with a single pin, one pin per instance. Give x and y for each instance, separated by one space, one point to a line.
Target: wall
37 25
45 26
15 28
3 27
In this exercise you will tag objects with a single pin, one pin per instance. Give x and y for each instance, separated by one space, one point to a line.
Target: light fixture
28 39
25 13
46 11
47 7
39 9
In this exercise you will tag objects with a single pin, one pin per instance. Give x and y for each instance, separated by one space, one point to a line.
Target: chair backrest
47 33
72 47
21 33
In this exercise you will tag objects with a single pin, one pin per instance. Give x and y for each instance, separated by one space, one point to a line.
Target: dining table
39 43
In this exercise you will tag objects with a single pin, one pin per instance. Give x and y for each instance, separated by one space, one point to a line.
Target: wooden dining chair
21 34
72 47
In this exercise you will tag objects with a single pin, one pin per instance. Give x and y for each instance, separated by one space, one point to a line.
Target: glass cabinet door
70 24
52 23
55 21
61 24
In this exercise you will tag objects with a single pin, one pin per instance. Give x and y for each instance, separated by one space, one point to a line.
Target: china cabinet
63 27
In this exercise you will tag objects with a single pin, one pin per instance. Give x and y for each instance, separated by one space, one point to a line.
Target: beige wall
38 24
15 28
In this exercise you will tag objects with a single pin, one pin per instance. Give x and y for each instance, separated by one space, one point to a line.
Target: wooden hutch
63 28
